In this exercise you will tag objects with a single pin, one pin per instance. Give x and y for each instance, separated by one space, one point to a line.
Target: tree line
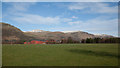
101 40
69 40
92 40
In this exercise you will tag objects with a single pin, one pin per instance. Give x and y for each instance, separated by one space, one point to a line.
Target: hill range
10 32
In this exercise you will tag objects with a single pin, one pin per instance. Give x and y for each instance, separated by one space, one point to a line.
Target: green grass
60 55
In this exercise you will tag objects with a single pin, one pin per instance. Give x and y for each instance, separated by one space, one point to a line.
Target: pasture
60 54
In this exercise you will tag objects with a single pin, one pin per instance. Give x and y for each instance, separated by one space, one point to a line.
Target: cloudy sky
92 17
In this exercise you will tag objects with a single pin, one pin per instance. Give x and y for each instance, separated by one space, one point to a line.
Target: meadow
60 54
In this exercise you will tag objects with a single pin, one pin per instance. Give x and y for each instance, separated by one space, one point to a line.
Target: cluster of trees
92 40
69 40
101 40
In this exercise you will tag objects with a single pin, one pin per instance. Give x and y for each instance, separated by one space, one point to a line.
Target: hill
11 33
79 35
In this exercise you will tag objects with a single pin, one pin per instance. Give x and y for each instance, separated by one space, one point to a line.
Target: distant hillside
10 33
46 35
76 35
79 35
37 30
104 36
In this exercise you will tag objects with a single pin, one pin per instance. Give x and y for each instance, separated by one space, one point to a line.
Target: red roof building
35 42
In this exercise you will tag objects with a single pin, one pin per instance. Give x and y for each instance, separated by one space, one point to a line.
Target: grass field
60 55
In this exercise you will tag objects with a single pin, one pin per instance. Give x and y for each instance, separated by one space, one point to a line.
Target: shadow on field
95 53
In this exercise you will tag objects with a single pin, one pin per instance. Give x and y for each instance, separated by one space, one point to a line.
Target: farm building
35 42
41 42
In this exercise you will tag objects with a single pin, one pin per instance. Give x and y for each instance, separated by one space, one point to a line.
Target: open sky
92 17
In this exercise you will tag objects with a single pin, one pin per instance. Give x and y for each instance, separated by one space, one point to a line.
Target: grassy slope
60 55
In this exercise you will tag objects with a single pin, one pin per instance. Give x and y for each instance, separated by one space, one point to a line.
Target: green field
60 55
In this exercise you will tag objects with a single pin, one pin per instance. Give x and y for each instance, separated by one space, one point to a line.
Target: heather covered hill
11 33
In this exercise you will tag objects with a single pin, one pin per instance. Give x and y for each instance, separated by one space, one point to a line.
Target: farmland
60 54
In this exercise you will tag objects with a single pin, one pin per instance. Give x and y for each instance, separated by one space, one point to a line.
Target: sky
91 17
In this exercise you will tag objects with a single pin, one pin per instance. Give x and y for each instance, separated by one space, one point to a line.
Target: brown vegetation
11 34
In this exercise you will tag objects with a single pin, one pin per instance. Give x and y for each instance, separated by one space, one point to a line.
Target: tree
69 40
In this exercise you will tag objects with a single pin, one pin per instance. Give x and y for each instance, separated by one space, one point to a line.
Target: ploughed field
60 54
